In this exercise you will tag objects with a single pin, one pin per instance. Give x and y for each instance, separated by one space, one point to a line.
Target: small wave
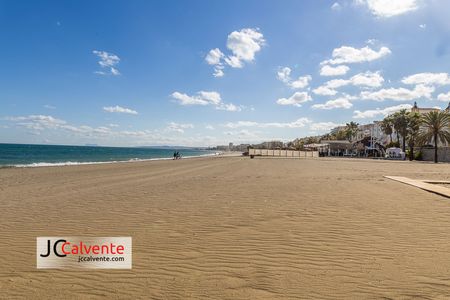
75 163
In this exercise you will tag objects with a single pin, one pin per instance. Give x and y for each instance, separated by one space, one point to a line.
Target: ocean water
24 155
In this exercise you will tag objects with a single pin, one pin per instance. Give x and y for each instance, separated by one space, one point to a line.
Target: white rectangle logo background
84 252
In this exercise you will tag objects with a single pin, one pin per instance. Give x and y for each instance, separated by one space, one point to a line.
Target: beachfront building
335 148
424 110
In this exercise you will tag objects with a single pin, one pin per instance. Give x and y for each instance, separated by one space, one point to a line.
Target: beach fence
282 153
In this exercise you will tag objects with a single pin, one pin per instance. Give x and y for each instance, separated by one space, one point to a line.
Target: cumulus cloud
296 99
324 90
327 70
214 57
205 98
399 94
428 79
301 82
348 55
119 109
299 123
444 97
284 75
323 126
380 112
107 61
369 79
243 46
177 127
389 8
332 104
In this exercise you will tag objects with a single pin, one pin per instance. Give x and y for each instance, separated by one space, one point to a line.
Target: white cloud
228 107
114 71
214 56
423 26
205 98
178 127
48 106
327 70
399 94
347 55
202 98
301 82
428 79
389 8
299 123
336 6
296 99
444 97
369 79
332 104
243 45
380 112
107 61
119 109
323 126
209 127
324 91
37 122
218 71
284 75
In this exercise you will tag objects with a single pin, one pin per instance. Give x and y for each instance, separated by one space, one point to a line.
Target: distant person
174 155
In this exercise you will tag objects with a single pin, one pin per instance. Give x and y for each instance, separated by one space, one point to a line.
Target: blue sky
201 73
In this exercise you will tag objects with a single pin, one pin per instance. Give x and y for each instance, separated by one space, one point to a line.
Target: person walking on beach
174 155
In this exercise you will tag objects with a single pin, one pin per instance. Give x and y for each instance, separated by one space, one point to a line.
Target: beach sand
232 228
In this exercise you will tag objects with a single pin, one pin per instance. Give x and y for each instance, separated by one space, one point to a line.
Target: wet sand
232 228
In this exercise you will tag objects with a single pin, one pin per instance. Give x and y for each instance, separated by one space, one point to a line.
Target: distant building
424 110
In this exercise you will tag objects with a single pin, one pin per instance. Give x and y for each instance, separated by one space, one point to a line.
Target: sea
26 155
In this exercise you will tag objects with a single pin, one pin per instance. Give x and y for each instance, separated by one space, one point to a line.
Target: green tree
351 130
435 128
387 127
400 121
413 130
341 135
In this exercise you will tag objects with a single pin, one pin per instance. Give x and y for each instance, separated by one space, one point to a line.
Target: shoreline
74 163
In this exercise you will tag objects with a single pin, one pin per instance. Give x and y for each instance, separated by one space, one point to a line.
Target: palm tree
351 130
436 128
401 126
386 126
413 129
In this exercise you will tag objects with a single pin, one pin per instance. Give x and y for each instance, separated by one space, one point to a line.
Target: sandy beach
232 228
